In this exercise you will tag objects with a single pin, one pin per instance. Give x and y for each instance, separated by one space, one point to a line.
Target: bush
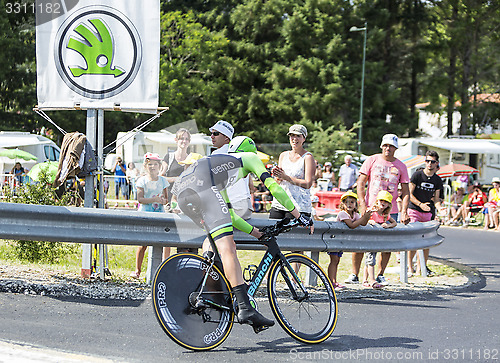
41 193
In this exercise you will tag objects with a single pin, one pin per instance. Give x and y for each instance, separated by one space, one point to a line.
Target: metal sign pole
100 155
89 194
103 249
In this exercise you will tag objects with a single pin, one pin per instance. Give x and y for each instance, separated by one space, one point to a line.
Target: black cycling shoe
247 313
255 319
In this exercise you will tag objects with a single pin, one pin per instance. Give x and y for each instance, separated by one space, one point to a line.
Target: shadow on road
100 302
342 343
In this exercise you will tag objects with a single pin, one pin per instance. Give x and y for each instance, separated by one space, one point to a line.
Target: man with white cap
222 134
382 172
239 194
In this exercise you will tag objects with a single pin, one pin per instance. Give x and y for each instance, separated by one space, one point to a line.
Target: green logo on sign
97 49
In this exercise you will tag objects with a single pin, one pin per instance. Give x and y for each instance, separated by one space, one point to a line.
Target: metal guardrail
104 226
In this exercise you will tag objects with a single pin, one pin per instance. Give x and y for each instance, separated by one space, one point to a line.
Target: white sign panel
102 55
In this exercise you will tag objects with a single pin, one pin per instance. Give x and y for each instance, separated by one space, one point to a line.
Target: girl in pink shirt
381 215
349 215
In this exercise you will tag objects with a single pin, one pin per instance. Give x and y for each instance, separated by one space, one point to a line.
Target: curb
469 277
99 290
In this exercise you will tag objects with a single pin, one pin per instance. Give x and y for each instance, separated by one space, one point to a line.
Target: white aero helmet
241 144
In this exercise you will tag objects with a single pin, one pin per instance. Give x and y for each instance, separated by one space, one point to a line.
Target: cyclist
203 185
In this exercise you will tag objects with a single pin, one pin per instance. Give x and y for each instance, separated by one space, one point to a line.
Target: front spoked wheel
192 320
309 317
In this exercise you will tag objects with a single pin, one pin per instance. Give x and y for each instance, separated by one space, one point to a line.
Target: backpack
88 160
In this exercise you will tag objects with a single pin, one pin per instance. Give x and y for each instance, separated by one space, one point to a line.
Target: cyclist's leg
218 222
232 268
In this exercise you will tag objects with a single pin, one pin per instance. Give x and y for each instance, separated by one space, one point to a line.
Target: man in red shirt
475 203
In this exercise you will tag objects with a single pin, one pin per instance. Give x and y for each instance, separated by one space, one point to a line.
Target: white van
40 146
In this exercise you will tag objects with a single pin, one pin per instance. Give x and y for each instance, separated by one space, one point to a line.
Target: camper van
41 147
132 146
482 154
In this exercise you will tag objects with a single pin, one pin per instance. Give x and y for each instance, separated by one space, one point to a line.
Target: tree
326 142
17 68
192 70
466 44
266 64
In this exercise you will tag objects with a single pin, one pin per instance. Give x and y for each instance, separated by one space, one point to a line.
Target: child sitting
314 213
349 215
381 215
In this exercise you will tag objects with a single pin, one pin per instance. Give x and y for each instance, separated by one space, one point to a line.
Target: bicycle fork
293 283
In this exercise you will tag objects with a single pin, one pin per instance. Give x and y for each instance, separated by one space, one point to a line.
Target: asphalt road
460 326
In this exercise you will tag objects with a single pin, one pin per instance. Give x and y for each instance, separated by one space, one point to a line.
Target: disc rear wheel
175 288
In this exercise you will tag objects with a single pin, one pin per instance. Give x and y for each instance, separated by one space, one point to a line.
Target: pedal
258 329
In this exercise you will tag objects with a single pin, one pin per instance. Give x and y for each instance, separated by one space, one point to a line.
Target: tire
309 321
174 282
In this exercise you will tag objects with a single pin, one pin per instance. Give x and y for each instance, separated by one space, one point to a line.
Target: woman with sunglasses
425 187
171 167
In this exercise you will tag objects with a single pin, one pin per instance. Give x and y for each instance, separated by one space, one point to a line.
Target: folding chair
476 216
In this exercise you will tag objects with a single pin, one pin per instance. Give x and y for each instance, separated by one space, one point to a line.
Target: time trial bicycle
194 305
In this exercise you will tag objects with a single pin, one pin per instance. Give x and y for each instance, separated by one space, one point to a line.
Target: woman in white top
329 175
171 164
295 173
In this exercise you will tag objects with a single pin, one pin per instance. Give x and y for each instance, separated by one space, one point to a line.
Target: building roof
471 146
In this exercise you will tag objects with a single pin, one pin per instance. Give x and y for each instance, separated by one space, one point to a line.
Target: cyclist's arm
236 220
252 164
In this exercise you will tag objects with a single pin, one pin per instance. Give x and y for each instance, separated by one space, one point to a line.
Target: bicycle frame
273 254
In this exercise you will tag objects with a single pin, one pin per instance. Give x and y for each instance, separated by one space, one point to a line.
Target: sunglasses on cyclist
215 133
431 161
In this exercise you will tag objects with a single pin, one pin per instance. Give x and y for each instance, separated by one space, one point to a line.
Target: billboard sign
101 54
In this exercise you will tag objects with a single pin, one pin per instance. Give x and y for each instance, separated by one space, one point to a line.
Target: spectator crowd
379 192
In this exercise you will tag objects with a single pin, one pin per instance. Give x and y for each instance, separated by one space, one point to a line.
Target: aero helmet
241 144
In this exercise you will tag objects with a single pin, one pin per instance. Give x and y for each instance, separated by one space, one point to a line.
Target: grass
122 262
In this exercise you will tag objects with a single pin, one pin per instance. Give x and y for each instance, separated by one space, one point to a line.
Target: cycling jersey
203 185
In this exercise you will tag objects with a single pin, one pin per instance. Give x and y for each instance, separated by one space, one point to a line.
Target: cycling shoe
247 313
255 319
